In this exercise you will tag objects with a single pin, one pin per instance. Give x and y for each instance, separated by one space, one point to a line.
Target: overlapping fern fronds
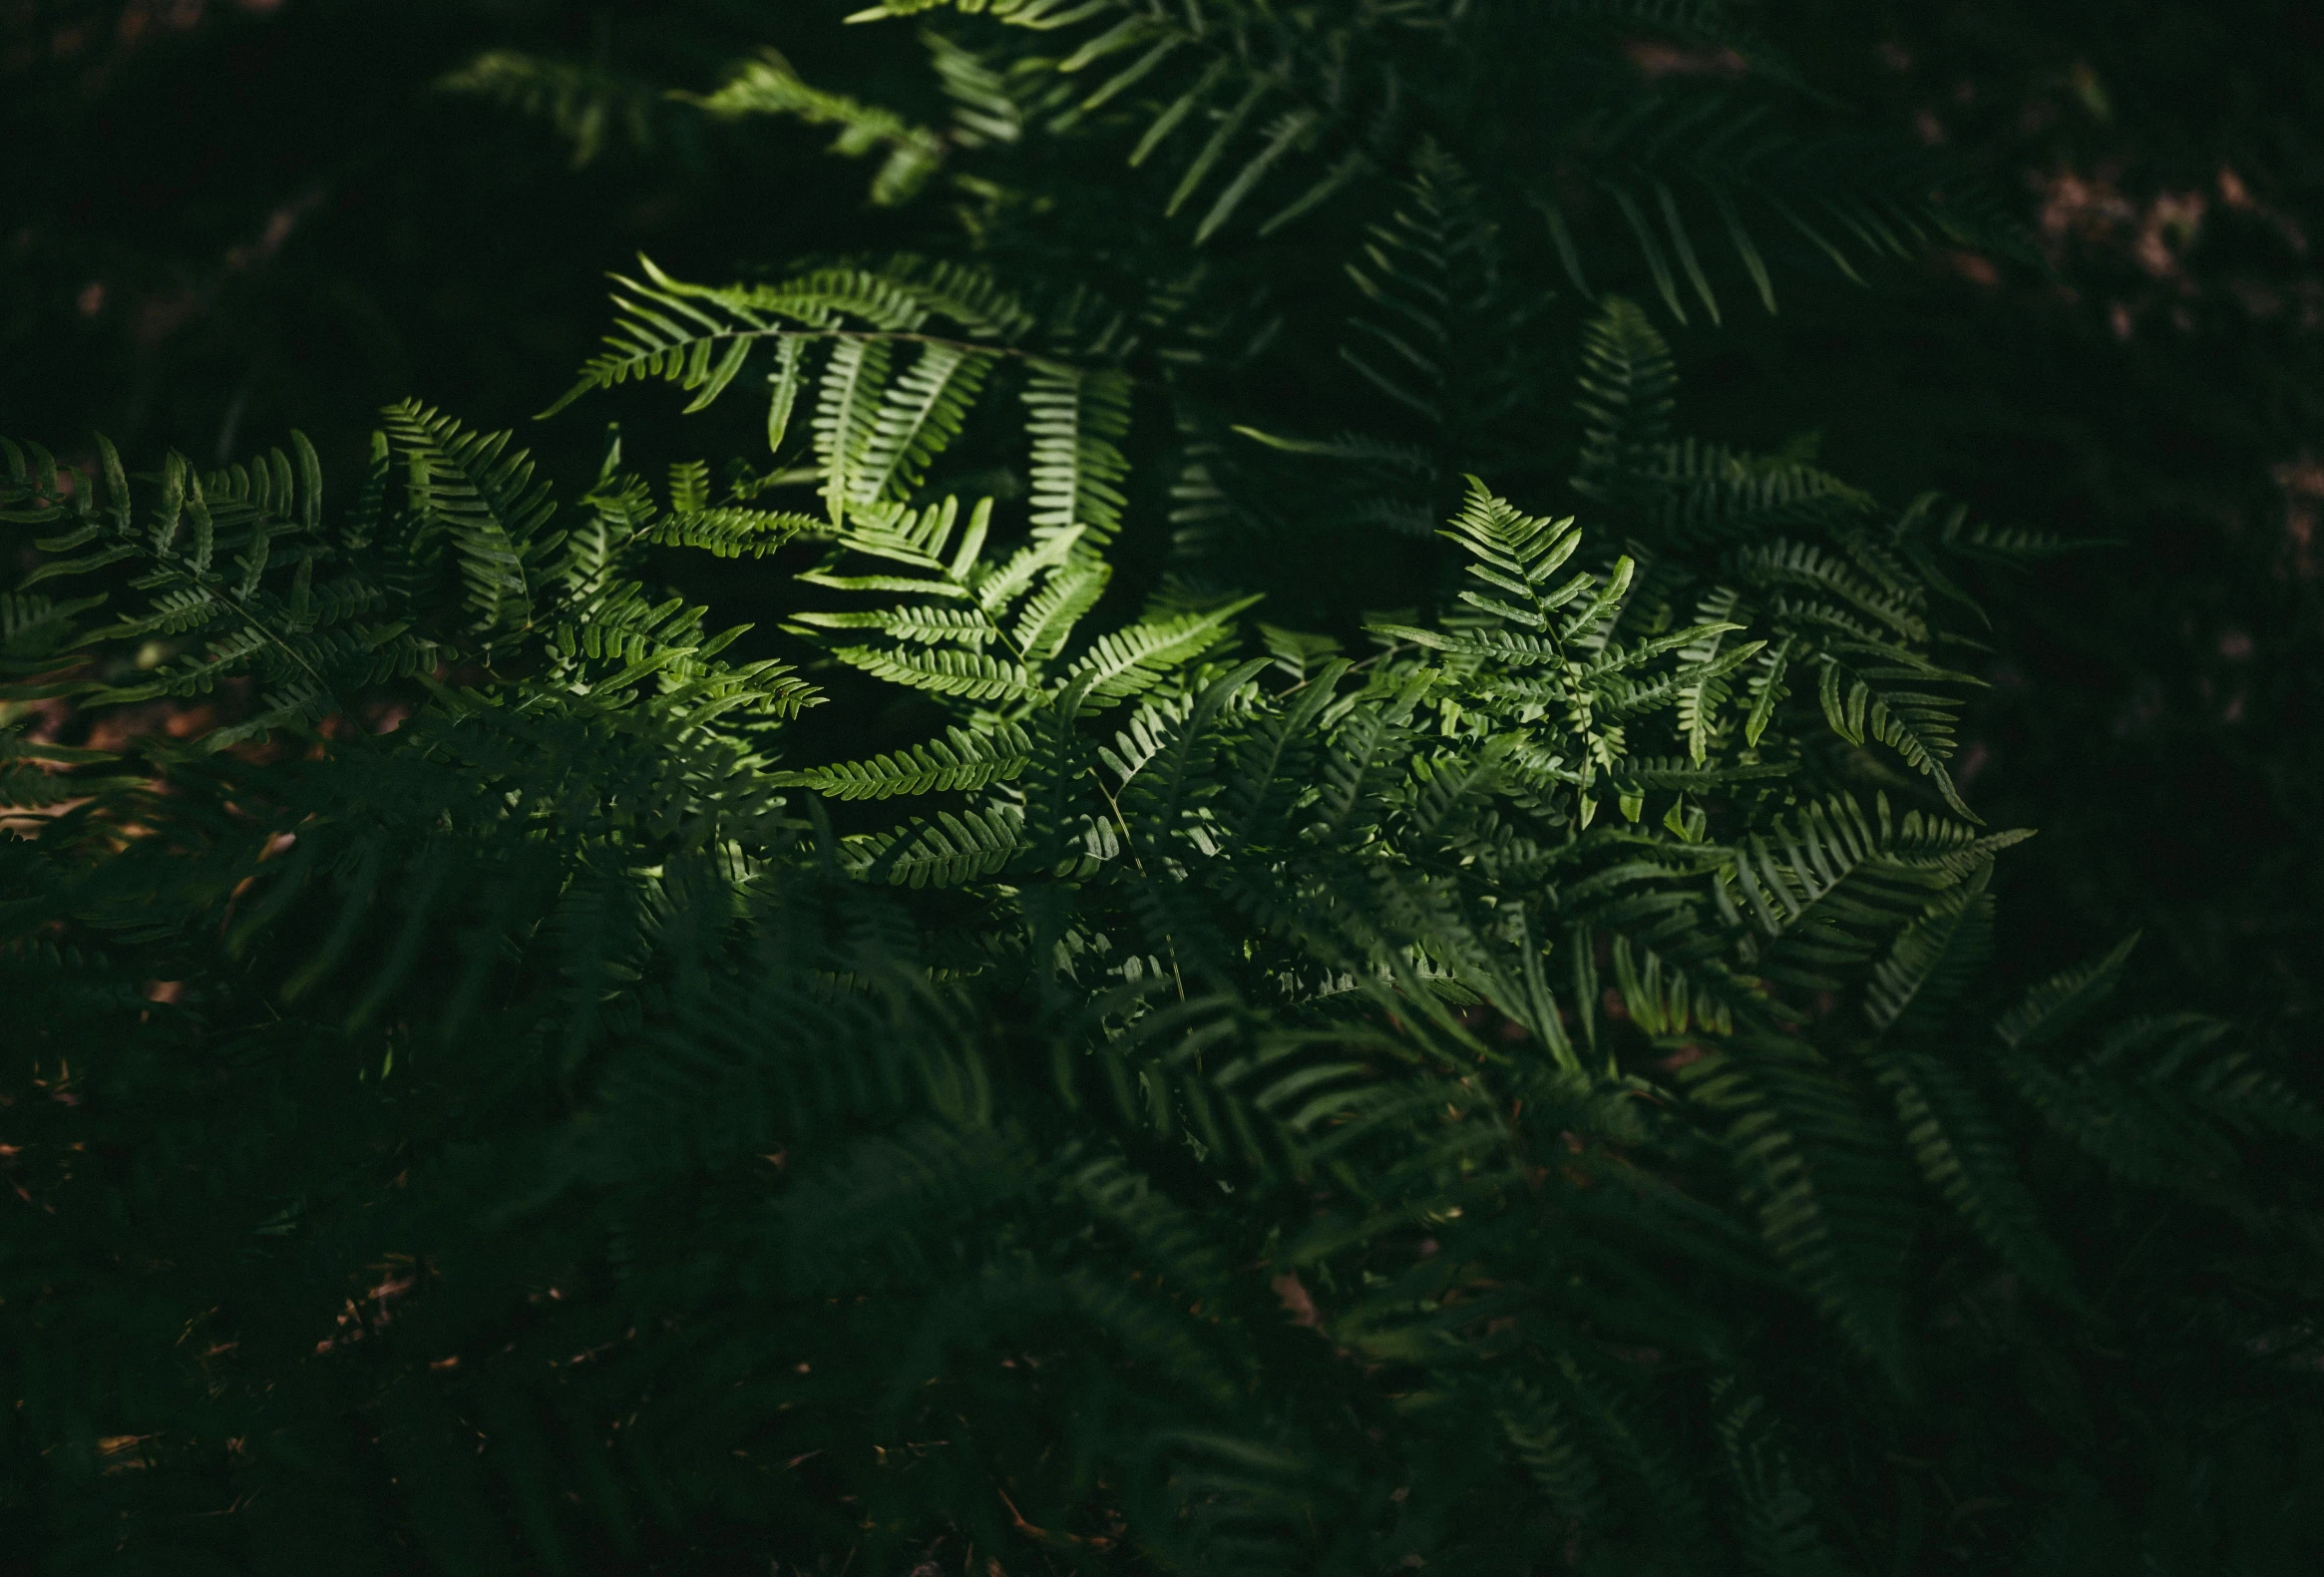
1510 1084
1271 116
1854 597
882 366
1204 985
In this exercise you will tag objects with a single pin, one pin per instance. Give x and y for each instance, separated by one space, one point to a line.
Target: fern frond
587 106
1933 960
1778 1525
1918 724
917 623
1050 616
2053 1007
484 499
1967 1159
962 759
1628 393
1829 1202
769 86
946 851
1130 661
1078 418
848 408
733 533
969 674
920 414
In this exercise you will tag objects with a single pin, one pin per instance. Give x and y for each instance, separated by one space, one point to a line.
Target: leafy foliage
1528 1095
1307 103
1197 988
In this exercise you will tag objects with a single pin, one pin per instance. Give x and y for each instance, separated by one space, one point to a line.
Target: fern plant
1231 102
1249 1072
1510 1082
1460 165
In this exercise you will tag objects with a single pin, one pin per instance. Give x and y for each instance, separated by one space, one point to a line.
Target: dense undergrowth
1305 936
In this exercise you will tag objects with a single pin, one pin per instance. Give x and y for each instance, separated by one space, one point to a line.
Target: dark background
221 218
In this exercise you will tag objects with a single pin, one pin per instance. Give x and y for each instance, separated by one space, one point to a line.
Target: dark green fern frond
962 759
1830 1200
484 501
588 106
229 562
1964 1155
1702 495
1778 1527
2053 1007
945 852
1682 166
1628 394
768 85
1934 960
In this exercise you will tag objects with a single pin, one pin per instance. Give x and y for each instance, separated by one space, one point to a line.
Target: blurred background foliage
226 216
